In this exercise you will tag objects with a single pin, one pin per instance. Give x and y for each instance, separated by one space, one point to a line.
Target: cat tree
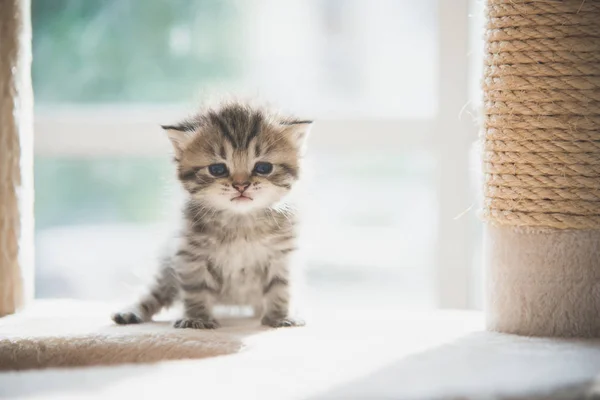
16 155
542 167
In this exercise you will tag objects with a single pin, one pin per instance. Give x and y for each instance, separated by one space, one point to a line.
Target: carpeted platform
357 354
72 334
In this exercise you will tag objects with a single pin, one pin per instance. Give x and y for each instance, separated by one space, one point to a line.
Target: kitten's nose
241 186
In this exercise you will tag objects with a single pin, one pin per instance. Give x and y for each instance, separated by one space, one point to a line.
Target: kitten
237 165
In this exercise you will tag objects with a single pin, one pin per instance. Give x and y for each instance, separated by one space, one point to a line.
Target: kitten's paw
125 318
196 323
282 322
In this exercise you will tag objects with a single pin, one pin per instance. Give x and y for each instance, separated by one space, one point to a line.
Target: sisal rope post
541 160
16 156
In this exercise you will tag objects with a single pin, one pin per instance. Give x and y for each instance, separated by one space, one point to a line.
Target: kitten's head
237 157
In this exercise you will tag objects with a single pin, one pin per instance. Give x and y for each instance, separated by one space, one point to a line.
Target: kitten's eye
263 168
217 169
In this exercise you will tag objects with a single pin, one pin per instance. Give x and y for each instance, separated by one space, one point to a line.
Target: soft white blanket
367 355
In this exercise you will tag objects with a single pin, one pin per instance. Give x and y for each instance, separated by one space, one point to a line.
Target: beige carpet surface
543 283
357 354
68 334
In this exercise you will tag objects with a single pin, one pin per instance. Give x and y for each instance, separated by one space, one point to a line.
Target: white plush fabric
543 282
358 354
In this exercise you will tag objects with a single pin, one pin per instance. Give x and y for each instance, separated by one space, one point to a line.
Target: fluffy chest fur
243 266
244 254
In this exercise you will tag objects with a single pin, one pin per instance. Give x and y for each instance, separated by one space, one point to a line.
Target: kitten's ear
179 135
299 130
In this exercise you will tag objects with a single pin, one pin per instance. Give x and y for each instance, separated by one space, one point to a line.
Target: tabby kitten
237 164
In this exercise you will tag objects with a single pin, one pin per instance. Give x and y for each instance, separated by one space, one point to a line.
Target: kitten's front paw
128 317
282 322
196 323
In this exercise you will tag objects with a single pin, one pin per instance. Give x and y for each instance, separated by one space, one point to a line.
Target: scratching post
16 156
542 167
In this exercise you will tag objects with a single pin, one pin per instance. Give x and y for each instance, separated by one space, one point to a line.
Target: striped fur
232 251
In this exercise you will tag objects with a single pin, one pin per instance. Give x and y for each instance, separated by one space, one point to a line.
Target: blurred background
391 191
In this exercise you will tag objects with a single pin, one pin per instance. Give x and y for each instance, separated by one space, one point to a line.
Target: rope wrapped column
541 160
16 156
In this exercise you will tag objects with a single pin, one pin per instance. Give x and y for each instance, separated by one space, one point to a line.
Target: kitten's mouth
241 197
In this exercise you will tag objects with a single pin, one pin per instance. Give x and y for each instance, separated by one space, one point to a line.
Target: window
325 57
107 73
